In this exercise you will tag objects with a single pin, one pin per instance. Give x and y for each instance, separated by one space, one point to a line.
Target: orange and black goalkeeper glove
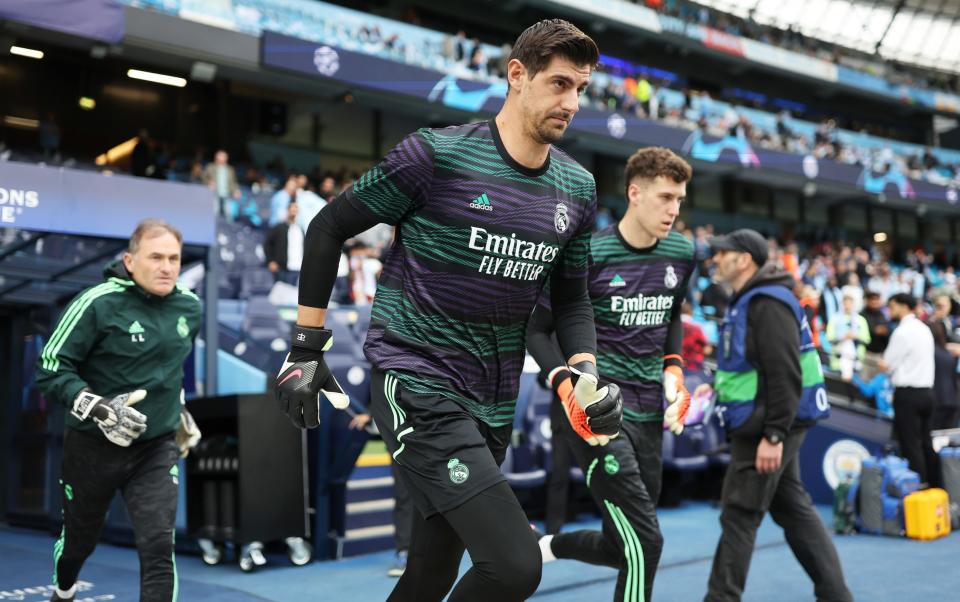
594 414
678 399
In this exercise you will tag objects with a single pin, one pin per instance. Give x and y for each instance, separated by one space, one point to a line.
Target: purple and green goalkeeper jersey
477 237
635 293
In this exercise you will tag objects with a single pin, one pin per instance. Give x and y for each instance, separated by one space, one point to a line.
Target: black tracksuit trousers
147 475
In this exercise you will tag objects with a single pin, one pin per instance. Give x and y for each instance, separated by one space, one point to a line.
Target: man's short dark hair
655 161
904 299
870 295
542 41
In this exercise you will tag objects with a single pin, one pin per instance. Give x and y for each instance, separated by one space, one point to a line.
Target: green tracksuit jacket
116 337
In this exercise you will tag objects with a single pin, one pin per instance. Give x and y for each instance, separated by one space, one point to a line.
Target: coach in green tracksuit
115 359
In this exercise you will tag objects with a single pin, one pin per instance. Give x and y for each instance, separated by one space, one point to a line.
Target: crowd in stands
844 291
792 39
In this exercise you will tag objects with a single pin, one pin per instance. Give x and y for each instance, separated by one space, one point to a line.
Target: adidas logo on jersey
482 203
136 332
617 280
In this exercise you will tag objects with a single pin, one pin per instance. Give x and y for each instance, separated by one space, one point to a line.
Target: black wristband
558 379
311 337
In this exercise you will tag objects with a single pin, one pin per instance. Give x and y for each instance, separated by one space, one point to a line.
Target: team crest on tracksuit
670 279
560 219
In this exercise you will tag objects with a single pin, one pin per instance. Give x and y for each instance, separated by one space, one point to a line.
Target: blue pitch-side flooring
877 569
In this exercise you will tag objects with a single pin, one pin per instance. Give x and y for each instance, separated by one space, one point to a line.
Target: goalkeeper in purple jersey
638 274
486 214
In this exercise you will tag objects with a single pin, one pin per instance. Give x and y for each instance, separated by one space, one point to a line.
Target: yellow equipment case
927 514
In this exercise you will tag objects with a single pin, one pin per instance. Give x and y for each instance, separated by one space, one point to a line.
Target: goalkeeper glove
678 399
594 415
188 433
304 376
120 423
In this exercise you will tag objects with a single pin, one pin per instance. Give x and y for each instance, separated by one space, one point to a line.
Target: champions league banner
309 58
96 19
66 201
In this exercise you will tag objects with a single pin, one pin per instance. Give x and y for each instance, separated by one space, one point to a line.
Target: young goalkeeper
638 273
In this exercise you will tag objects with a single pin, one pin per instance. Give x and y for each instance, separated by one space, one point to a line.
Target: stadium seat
520 478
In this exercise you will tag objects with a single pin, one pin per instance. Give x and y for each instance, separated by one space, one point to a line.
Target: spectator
283 248
695 344
853 290
809 303
831 298
280 202
221 178
328 188
879 335
909 359
946 411
49 134
941 323
310 203
141 160
848 334
460 47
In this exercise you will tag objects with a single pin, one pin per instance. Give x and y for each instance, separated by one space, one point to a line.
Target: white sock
545 550
66 594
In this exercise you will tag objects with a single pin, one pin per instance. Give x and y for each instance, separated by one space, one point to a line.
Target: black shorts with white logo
444 454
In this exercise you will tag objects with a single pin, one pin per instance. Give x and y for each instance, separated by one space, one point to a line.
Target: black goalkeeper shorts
445 455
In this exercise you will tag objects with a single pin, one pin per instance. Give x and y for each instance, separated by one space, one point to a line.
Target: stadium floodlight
30 53
86 103
21 122
880 237
157 78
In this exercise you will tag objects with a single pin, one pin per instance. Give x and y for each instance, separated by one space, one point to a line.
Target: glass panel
790 14
834 21
813 12
850 32
916 35
767 10
950 53
898 29
877 22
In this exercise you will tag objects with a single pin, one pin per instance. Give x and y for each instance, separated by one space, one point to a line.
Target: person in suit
221 178
284 248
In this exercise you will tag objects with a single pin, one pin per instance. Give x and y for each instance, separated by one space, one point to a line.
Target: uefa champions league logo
617 126
326 60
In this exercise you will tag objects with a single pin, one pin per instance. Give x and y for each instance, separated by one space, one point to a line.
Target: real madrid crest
560 219
670 279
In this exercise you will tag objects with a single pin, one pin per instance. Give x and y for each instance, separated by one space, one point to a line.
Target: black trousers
912 423
561 459
494 529
945 417
624 478
402 511
747 496
147 476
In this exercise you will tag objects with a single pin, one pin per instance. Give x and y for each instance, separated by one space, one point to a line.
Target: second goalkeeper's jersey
635 294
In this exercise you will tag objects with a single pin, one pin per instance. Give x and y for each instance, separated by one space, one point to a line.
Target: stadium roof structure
921 32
